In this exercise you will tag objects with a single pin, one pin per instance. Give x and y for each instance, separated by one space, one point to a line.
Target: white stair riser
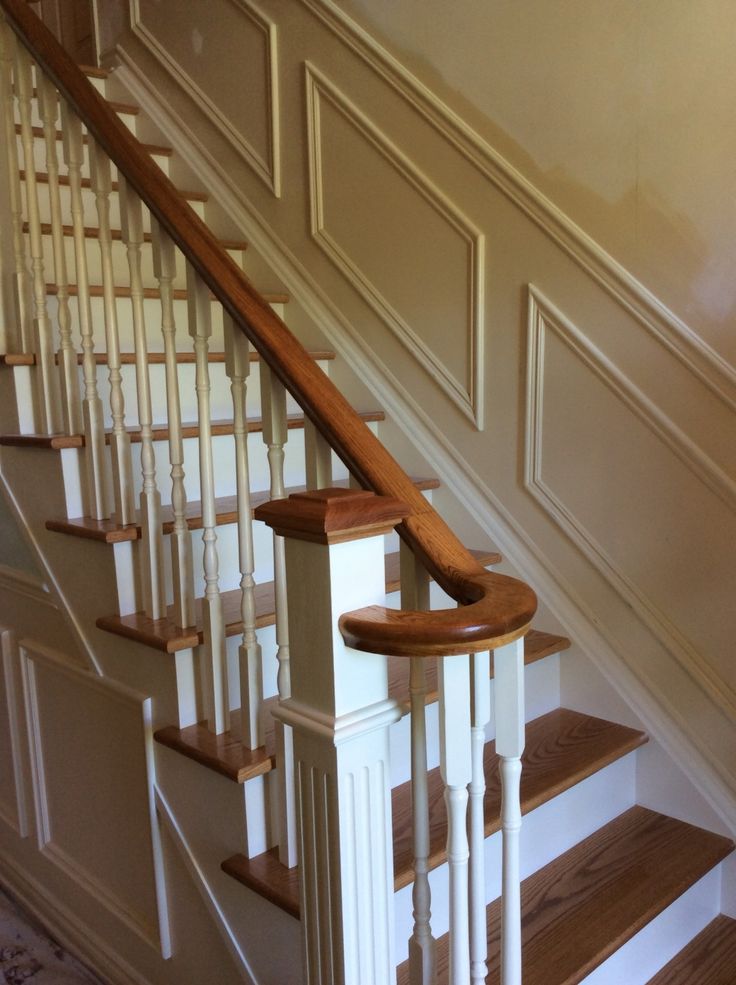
546 832
541 694
152 315
119 259
641 957
220 396
39 156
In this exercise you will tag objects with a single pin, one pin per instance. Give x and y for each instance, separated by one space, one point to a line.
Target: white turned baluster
237 365
164 266
318 457
122 462
21 281
48 104
131 213
480 715
215 667
43 336
340 714
94 433
508 673
422 946
455 768
275 433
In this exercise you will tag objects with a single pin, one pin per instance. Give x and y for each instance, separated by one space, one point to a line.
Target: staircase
611 892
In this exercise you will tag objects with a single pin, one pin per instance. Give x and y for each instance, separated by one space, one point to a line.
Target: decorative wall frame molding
670 330
32 654
544 318
26 584
664 720
14 815
468 395
269 169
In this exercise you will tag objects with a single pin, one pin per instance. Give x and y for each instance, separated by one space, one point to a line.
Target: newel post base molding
340 714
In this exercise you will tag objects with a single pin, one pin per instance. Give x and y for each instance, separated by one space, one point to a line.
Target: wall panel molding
466 394
14 813
670 330
156 932
268 168
26 584
545 319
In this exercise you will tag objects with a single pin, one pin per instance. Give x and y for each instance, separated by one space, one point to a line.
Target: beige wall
622 112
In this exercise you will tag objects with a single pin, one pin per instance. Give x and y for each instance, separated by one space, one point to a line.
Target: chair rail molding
268 169
544 318
466 395
670 330
154 932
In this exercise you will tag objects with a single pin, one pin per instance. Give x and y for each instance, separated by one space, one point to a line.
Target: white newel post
340 714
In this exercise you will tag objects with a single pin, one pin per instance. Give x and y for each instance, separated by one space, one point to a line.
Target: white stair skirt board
546 832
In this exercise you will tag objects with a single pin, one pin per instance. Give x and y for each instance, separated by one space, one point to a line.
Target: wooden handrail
495 608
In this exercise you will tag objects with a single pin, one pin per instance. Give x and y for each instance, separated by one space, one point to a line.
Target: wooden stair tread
709 959
166 635
95 72
42 178
589 901
160 149
222 753
562 748
153 293
160 432
226 511
123 109
93 232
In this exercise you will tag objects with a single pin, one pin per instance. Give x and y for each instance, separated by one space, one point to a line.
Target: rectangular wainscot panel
90 753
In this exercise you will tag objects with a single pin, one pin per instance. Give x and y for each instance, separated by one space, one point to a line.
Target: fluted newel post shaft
17 308
455 769
340 714
237 366
508 673
422 945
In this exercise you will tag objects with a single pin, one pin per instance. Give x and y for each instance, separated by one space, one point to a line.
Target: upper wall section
621 112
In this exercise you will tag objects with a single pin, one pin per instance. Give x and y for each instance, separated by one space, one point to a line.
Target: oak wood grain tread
222 753
93 232
226 511
709 959
161 150
122 109
563 748
167 636
587 903
42 178
160 432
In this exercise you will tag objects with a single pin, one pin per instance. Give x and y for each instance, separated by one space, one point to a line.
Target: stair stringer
704 759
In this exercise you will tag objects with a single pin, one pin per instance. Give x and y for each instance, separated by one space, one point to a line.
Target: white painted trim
268 170
467 396
9 655
25 583
543 316
670 330
64 925
676 735
32 653
56 593
199 878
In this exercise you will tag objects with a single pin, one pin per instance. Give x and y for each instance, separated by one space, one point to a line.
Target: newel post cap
331 516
